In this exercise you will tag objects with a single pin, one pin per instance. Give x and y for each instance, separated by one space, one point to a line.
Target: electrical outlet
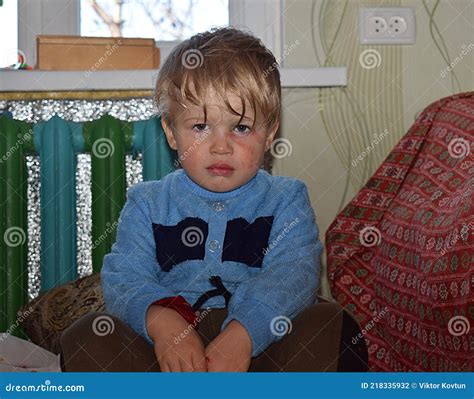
386 25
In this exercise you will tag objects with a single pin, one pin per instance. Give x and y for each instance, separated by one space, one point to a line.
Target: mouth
220 169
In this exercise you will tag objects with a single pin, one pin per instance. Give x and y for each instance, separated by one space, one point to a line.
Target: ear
271 135
169 134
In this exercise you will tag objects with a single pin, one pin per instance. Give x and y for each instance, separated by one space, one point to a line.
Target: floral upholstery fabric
47 316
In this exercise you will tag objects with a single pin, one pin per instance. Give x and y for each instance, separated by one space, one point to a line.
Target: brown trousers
321 339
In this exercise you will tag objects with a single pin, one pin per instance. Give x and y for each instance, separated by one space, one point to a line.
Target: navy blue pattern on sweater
260 239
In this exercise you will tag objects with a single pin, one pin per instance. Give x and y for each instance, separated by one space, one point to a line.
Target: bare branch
166 11
114 23
165 16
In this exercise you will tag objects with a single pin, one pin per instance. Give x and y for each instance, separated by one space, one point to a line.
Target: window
8 32
53 17
163 20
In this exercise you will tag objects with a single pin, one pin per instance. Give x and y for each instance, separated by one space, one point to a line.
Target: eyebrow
244 118
192 118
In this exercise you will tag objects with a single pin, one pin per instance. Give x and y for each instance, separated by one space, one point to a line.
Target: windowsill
18 81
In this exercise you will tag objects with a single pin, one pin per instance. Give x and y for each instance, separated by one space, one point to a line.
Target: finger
211 364
186 364
174 364
207 352
164 367
199 362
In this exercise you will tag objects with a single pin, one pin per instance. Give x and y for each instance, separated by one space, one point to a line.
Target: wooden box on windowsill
76 53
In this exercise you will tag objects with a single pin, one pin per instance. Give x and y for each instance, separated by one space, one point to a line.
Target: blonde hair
223 60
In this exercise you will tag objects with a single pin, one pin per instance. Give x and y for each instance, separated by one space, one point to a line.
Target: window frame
262 17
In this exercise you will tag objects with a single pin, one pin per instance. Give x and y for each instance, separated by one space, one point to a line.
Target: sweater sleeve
130 272
288 280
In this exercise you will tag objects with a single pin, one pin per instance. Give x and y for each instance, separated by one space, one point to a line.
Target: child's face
219 153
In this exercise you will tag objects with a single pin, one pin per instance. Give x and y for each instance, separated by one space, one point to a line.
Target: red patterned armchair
401 253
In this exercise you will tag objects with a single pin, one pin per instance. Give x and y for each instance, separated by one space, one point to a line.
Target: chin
221 188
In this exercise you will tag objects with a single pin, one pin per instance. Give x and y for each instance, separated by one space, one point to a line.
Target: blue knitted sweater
260 239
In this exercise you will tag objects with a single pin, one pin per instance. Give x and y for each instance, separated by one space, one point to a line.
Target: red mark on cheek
249 151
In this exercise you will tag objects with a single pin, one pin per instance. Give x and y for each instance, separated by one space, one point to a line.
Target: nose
221 144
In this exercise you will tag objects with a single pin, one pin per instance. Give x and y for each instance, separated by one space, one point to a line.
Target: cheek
190 150
190 143
251 153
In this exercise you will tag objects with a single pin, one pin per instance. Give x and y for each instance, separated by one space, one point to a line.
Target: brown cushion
48 315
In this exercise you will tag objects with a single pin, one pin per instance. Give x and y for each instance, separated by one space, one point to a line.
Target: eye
200 127
242 129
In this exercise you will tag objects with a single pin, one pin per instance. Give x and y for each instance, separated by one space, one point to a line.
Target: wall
339 136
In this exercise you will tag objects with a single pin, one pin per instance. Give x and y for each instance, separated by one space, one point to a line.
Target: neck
215 195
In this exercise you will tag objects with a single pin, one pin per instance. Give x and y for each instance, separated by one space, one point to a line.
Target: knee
84 344
89 329
321 315
331 324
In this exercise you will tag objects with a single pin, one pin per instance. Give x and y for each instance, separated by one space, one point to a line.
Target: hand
231 350
178 347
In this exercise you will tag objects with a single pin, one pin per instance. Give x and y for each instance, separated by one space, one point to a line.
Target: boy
219 238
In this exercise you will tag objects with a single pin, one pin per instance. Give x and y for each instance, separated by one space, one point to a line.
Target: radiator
58 142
